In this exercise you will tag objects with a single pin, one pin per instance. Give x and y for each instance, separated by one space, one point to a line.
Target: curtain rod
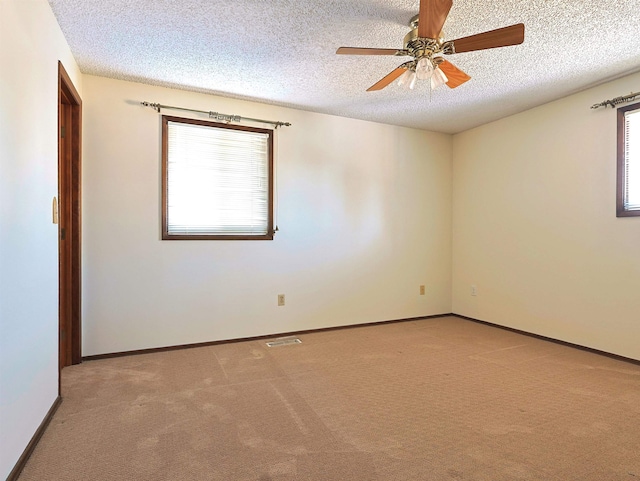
618 100
216 115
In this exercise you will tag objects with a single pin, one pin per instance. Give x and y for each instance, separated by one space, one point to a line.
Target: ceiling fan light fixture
424 68
412 83
405 78
438 79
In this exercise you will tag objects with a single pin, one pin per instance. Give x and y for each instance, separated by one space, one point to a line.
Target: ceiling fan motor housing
421 47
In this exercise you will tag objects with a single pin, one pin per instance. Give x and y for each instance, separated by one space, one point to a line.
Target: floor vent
284 341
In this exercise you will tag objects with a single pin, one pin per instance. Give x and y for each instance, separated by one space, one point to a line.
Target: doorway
69 235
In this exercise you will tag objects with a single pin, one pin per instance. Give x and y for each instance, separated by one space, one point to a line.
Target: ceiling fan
425 42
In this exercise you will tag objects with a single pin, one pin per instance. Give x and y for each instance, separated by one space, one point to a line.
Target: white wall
30 46
364 217
534 225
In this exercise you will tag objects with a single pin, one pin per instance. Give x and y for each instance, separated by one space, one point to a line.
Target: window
628 195
217 180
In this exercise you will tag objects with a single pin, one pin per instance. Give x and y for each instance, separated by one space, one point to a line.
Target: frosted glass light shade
424 68
412 83
438 79
405 77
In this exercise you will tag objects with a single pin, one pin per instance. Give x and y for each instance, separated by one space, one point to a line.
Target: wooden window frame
621 211
214 236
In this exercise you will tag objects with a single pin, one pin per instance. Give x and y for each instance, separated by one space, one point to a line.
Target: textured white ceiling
283 52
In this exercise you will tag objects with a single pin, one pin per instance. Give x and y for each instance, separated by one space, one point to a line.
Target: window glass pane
632 160
217 180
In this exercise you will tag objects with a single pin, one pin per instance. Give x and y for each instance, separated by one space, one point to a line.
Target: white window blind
217 181
632 160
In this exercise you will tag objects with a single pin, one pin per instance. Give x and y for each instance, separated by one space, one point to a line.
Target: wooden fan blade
383 82
368 51
432 16
501 37
456 76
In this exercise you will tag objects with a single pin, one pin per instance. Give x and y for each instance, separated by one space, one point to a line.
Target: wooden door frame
69 226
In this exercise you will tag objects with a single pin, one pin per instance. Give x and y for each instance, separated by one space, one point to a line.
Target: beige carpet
436 399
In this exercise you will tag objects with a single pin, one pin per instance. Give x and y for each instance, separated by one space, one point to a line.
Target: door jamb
70 249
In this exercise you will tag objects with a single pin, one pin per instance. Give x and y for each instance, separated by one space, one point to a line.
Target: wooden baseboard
255 338
298 333
550 339
26 454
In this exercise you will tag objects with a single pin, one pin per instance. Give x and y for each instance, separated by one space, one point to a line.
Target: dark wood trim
620 176
165 151
550 339
163 160
270 228
26 454
255 338
69 197
355 326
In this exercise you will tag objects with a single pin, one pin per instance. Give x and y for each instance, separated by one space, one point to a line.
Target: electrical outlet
474 290
422 290
281 299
